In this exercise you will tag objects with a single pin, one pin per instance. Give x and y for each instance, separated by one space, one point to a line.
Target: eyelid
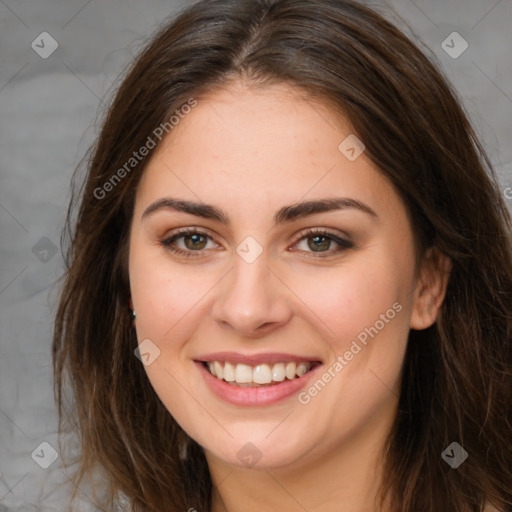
166 241
328 232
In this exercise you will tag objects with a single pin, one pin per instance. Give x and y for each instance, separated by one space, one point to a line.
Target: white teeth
302 368
244 374
261 374
278 372
218 370
229 372
289 371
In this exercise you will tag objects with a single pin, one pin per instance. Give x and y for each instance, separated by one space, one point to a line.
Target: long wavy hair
456 382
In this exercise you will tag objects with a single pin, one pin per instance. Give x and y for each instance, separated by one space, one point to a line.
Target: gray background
49 114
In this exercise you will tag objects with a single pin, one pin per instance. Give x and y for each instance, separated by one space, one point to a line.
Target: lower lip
265 395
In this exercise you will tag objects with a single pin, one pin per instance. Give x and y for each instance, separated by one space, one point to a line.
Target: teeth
278 372
229 372
290 370
247 376
302 368
262 374
219 373
243 373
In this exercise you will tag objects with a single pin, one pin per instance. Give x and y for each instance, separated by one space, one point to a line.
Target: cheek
366 310
166 296
167 300
362 310
344 301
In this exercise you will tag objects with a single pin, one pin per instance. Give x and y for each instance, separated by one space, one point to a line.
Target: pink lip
266 395
271 358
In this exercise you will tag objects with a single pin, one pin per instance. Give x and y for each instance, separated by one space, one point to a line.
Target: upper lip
255 359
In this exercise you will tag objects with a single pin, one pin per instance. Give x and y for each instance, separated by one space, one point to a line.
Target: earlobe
132 311
430 288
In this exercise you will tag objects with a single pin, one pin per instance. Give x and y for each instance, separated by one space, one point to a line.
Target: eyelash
343 244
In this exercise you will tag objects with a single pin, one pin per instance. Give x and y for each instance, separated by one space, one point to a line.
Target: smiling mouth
261 375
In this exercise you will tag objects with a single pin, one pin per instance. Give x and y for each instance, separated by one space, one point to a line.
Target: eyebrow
283 215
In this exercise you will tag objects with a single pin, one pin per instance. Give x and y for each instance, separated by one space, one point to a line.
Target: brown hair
457 374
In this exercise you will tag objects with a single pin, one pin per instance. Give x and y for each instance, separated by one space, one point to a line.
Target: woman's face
252 289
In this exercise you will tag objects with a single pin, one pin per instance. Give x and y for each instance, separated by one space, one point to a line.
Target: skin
250 152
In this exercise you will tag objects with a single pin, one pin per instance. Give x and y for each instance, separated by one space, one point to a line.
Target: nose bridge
252 297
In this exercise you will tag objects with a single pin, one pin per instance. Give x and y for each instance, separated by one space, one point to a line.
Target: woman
289 284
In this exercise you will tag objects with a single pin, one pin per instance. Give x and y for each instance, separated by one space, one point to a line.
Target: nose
252 299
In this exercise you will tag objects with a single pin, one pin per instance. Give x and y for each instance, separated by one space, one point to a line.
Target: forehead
257 148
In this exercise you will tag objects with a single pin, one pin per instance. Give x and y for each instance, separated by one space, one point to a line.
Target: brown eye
194 241
320 242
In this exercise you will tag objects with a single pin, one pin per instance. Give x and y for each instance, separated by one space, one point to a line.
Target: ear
430 288
131 303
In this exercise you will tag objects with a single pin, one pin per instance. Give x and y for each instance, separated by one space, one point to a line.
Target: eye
317 241
194 242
